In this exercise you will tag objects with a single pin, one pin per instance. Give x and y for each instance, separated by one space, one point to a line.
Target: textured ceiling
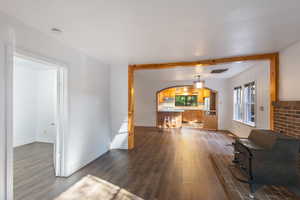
189 73
139 31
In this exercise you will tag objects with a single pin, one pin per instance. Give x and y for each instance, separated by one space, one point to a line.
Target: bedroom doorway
39 115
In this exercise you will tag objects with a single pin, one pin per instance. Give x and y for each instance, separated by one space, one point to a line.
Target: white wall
145 99
261 75
119 105
34 103
25 105
289 72
46 105
88 134
89 131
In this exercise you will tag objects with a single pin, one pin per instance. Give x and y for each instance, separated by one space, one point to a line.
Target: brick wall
287 117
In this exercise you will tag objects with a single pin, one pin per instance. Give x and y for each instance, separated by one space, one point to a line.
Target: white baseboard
74 167
18 143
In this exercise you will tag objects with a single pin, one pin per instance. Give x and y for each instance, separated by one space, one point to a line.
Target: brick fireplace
287 117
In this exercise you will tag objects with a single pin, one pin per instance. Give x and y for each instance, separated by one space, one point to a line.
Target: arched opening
186 106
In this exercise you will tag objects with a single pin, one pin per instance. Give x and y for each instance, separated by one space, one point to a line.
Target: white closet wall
34 103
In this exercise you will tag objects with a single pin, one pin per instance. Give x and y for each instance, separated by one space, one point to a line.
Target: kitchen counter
173 118
169 119
178 109
171 110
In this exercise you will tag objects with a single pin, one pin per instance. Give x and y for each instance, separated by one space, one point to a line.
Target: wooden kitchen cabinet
192 116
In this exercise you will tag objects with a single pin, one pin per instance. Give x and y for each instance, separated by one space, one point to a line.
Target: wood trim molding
206 62
274 73
131 107
274 83
287 104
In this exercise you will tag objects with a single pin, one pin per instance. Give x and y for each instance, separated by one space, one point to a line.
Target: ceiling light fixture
199 83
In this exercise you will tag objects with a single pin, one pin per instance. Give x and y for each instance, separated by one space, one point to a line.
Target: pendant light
199 83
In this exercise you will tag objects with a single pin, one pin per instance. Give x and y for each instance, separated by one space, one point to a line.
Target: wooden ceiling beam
268 56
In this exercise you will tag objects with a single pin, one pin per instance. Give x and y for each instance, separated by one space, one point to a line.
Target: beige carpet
94 188
240 191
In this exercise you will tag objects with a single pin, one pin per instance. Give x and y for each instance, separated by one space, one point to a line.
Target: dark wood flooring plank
165 165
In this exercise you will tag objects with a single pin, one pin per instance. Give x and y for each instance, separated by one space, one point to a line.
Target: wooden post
131 107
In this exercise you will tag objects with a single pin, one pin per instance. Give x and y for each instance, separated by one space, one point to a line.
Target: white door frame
61 120
62 112
8 122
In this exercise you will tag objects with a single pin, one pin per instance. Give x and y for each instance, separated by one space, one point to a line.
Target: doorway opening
186 107
134 71
39 121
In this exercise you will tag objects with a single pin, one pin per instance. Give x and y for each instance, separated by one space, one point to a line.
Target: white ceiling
140 31
189 73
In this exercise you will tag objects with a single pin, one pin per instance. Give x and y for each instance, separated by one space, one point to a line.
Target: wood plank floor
169 165
33 166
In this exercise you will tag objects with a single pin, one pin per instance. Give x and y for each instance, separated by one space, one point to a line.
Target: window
244 104
186 100
237 101
249 103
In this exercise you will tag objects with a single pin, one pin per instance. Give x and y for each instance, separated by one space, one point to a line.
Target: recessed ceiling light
56 30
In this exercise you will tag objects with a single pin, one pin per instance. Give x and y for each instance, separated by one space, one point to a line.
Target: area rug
94 188
240 191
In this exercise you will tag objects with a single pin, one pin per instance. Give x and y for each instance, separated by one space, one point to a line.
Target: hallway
165 165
